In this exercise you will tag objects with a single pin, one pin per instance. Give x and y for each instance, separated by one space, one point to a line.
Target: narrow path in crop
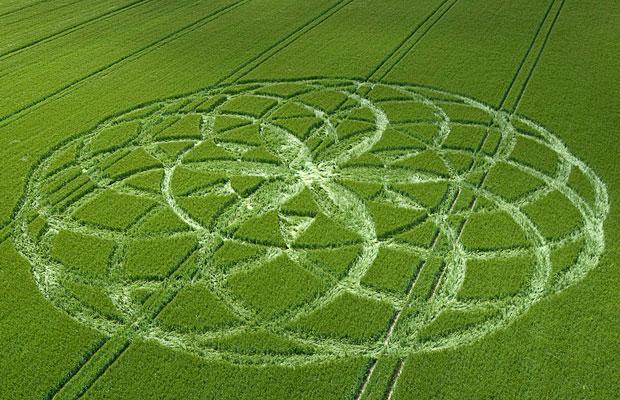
378 73
18 9
72 28
521 71
410 42
253 63
20 112
530 72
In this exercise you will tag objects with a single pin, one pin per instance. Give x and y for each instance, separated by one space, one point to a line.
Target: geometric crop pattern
286 222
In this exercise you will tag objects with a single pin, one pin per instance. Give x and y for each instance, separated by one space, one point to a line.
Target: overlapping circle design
219 202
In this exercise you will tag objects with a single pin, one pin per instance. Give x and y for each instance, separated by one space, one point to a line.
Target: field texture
327 199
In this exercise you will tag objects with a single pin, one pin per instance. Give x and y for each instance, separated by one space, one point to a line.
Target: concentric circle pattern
285 222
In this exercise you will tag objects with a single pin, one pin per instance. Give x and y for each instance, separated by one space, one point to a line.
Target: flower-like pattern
324 217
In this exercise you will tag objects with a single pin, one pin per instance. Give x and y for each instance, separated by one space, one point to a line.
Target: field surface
325 199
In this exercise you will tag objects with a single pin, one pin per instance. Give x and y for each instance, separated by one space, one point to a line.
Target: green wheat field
322 199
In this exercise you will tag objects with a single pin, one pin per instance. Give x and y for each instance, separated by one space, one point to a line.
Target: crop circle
325 217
